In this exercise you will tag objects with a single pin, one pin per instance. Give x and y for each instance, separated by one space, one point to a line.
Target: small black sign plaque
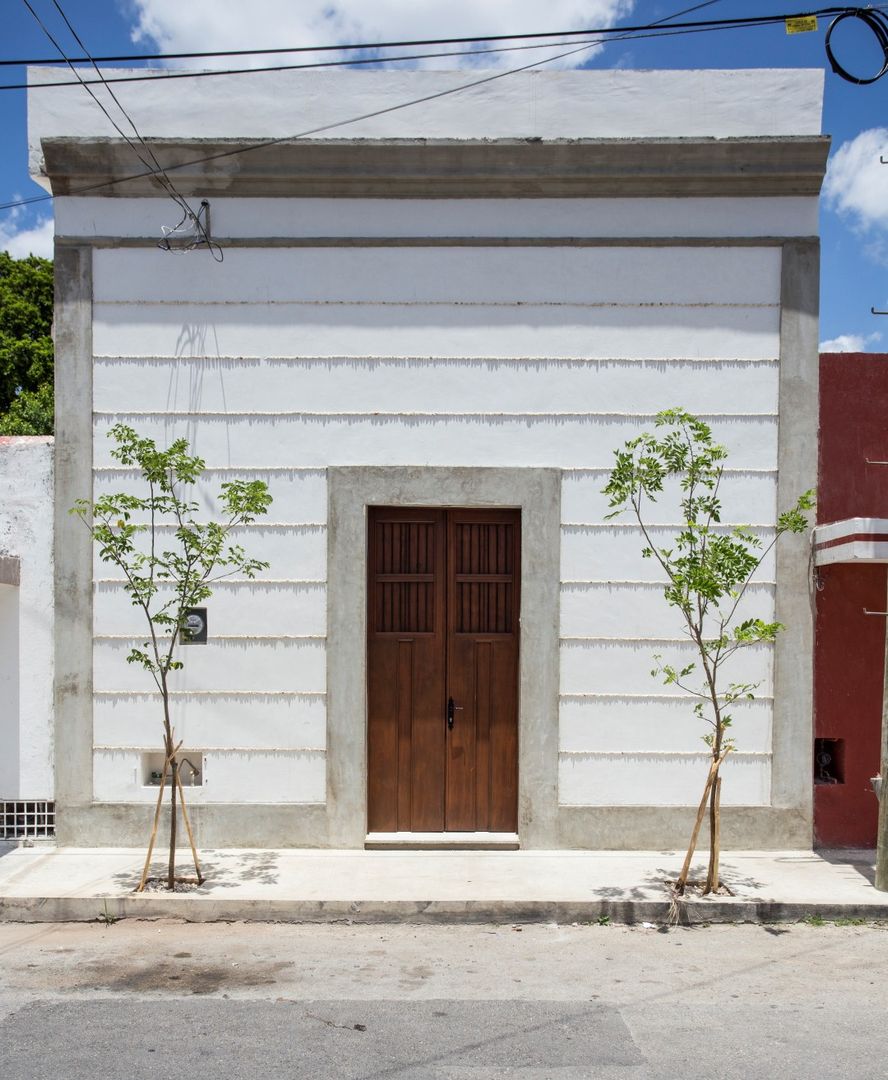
194 629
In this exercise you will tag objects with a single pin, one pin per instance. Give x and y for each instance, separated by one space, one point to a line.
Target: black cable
405 58
878 23
180 201
343 123
468 40
175 195
155 169
355 119
162 75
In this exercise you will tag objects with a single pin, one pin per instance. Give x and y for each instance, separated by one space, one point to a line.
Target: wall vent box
191 768
829 761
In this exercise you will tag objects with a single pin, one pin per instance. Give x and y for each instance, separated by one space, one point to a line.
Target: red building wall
849 645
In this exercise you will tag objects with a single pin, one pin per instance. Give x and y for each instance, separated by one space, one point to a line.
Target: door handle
451 709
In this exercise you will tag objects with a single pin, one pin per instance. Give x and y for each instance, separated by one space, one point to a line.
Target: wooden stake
151 842
188 829
701 810
712 881
157 810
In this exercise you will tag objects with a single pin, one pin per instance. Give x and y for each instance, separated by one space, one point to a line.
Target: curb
691 912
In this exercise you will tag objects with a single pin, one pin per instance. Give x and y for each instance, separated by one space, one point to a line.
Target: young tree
165 577
26 353
708 570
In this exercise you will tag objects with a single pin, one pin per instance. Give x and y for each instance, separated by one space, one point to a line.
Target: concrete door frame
537 492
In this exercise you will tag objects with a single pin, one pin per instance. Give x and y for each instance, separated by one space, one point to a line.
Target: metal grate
26 819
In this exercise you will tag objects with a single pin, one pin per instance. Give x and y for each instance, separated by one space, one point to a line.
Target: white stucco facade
26 619
440 332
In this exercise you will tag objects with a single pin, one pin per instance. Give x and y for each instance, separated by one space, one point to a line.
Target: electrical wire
188 215
341 123
151 163
467 40
375 60
628 33
876 21
633 34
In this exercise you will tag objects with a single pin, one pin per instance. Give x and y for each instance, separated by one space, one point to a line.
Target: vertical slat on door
482 669
406 651
483 705
405 730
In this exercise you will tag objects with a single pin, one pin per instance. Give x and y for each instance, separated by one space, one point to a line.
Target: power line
870 16
322 64
188 214
627 34
873 20
163 75
342 123
151 163
466 40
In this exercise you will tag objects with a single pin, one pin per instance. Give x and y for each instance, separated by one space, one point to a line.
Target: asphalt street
235 1001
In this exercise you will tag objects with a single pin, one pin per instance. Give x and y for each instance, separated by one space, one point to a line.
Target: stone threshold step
441 841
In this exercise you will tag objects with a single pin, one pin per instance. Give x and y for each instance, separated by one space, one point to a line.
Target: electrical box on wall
191 768
194 629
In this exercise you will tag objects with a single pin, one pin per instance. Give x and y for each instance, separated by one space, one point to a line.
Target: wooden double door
443 632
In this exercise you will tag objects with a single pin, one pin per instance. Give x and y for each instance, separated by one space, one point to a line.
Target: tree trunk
172 759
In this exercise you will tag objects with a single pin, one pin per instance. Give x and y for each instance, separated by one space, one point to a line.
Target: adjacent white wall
26 621
282 361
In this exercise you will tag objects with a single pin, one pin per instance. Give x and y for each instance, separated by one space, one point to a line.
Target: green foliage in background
26 353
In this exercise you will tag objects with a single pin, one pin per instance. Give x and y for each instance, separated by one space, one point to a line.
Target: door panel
443 609
482 645
406 664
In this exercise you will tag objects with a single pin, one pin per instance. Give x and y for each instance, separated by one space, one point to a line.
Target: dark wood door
443 606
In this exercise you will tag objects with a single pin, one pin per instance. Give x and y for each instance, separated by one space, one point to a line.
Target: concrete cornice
446 168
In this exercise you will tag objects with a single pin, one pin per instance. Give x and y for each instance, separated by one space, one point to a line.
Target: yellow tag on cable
801 24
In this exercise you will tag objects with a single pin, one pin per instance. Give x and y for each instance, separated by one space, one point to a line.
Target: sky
854 204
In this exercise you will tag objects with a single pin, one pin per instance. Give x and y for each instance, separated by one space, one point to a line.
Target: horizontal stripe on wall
347 218
616 611
511 276
623 667
280 776
208 694
289 665
665 725
482 440
241 607
291 551
299 494
746 497
283 721
434 385
523 331
590 552
660 780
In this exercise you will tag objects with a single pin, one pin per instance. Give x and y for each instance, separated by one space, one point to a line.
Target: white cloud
850 342
204 25
21 241
856 183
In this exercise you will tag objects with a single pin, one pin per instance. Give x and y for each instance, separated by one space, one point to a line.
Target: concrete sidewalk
48 884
